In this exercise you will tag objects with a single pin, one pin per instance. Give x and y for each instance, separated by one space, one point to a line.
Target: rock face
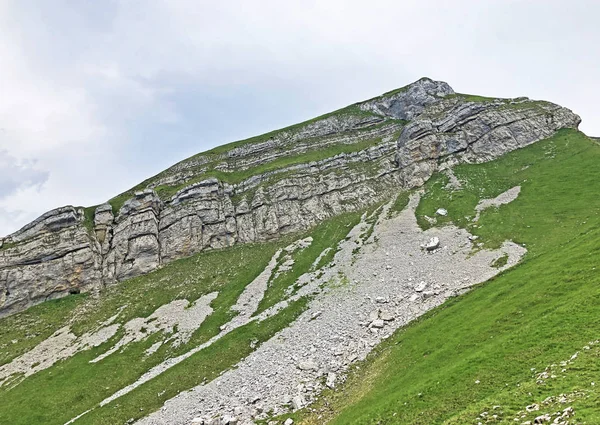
451 131
274 184
51 257
409 102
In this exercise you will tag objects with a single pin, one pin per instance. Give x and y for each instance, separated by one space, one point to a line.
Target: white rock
377 324
288 421
442 212
229 420
541 419
308 365
331 377
430 220
421 286
386 315
298 402
434 243
373 315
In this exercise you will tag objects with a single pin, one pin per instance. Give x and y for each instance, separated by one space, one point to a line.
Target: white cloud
103 94
17 174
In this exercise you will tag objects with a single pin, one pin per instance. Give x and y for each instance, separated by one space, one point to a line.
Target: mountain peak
409 101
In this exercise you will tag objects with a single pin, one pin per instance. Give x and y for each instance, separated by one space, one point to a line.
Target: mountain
422 257
275 184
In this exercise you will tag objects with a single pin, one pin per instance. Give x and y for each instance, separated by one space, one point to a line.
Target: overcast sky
96 96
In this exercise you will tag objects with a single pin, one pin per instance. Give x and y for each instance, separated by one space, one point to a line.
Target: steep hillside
259 189
322 273
523 345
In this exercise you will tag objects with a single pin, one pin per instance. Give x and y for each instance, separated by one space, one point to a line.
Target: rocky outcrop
67 250
49 258
410 101
134 248
456 131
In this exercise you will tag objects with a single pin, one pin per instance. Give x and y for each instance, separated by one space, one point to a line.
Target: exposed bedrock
452 132
50 258
68 251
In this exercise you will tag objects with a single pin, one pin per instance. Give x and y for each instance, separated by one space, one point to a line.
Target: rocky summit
260 189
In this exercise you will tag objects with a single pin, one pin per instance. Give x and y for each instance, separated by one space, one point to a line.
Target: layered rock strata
275 187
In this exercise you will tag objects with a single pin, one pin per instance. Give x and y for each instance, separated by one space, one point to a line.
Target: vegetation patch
21 332
166 192
500 261
72 386
474 98
326 235
88 218
8 245
400 203
487 348
203 366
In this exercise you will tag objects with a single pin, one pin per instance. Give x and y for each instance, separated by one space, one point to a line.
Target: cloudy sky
95 96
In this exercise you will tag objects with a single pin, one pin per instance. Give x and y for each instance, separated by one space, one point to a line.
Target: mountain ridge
261 188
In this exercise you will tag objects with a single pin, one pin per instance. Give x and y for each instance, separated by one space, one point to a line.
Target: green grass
400 203
88 217
531 316
215 155
56 395
8 245
166 192
227 271
72 386
21 332
473 97
500 261
326 235
205 365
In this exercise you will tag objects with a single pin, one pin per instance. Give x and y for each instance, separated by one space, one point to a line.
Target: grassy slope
213 155
323 235
165 192
74 385
70 387
532 316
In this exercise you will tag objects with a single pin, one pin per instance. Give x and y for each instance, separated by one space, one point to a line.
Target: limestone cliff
274 184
